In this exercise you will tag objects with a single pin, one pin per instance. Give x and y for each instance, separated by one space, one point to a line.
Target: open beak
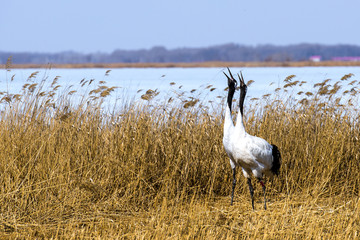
241 79
231 78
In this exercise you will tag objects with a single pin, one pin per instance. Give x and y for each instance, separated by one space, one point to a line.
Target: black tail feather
276 160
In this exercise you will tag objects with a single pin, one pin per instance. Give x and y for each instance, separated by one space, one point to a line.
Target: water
130 80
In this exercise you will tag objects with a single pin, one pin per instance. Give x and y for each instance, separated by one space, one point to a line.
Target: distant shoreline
187 65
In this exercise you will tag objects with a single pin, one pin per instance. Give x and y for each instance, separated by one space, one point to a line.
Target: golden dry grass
159 171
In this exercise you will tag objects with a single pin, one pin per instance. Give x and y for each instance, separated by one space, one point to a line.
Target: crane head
243 86
232 83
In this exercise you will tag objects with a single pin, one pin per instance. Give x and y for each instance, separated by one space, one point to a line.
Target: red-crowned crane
253 154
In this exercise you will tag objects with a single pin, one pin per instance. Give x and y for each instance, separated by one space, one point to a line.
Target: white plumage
253 154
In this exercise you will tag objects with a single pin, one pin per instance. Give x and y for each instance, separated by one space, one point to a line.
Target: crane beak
231 78
226 76
230 74
241 79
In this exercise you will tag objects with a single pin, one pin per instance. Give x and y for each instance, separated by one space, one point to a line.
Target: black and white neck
228 123
240 127
243 90
232 87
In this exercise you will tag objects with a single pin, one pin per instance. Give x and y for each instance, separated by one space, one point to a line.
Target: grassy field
157 169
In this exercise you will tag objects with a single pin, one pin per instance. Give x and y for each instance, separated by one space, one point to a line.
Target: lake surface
130 80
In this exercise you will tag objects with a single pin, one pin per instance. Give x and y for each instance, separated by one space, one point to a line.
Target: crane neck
228 122
240 118
230 97
243 90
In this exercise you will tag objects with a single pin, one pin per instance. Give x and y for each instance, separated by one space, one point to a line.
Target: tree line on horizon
226 52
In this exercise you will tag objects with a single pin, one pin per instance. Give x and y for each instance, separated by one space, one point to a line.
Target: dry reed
159 170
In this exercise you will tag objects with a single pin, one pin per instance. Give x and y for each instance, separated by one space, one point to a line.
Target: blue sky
102 26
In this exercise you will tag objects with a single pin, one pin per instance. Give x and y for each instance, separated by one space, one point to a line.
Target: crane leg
251 192
233 186
263 187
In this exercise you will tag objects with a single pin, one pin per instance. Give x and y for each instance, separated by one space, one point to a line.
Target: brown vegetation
189 65
158 169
